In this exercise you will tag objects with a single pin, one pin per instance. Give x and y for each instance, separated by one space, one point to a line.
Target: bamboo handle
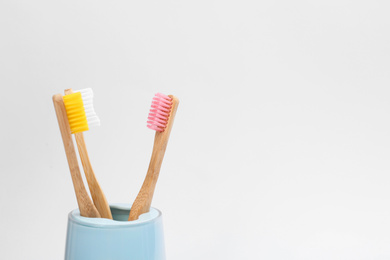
98 197
87 209
144 198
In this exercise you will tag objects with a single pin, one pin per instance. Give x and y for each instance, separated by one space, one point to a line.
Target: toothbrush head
80 112
159 112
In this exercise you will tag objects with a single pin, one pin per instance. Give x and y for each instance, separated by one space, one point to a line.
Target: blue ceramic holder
118 239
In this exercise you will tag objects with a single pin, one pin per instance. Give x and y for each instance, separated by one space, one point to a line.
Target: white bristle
87 96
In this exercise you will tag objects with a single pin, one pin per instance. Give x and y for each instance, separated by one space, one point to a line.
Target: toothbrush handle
87 209
98 197
144 198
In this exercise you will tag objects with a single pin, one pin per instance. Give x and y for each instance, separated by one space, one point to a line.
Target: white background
280 148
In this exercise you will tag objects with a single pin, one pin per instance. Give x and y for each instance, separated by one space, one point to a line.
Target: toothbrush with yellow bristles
86 206
81 116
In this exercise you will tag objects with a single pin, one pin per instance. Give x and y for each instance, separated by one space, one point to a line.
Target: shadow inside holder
119 214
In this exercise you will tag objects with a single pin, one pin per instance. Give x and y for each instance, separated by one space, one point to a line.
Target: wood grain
144 198
86 207
98 197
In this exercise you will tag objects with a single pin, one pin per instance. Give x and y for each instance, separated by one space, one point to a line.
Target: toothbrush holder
118 239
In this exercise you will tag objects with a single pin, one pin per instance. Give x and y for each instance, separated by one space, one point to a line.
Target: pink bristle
159 113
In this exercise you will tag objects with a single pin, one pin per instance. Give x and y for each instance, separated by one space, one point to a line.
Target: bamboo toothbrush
81 116
161 117
86 207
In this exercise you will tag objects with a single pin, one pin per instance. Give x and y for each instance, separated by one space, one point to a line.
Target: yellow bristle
76 114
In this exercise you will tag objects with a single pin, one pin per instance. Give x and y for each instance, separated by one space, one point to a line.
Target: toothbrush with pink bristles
160 119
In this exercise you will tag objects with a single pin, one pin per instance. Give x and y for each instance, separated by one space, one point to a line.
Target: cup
106 239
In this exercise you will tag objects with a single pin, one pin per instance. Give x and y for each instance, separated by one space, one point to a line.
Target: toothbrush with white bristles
81 115
161 117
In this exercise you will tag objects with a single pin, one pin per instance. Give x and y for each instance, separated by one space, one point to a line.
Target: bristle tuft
159 113
80 112
92 118
75 112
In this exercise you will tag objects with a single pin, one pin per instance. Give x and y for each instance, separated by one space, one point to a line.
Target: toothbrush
81 116
161 117
86 207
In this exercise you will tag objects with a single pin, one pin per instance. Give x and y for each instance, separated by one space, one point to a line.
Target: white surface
280 149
